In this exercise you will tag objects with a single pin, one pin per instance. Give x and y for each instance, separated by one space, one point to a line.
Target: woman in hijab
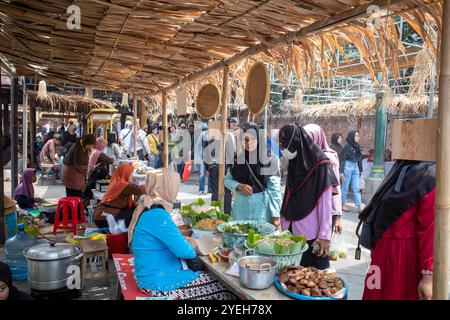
160 250
98 167
318 136
307 207
256 185
24 193
118 199
76 165
398 226
351 169
7 290
336 143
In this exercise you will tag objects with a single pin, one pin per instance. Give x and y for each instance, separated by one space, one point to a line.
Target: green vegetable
238 228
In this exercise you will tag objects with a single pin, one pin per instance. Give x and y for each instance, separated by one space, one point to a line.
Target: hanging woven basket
257 88
208 101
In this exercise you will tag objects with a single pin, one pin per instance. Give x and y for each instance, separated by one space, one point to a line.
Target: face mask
286 153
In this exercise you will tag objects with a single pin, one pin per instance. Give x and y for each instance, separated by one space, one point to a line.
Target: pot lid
51 251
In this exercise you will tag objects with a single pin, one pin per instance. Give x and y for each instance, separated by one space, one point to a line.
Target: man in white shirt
127 139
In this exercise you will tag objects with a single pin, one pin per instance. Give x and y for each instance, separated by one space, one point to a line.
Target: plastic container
117 243
10 224
14 248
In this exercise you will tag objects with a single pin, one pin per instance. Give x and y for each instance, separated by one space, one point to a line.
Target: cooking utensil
258 278
48 265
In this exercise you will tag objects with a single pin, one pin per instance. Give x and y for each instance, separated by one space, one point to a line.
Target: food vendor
24 193
98 167
118 197
76 165
48 153
307 207
159 246
257 187
399 229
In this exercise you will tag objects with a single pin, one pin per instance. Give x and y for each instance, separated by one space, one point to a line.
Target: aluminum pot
257 272
48 265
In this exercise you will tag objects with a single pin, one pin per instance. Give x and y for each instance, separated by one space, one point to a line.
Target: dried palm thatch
146 47
61 103
361 107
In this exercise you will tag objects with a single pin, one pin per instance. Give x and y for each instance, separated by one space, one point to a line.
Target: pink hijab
101 144
94 157
25 186
318 136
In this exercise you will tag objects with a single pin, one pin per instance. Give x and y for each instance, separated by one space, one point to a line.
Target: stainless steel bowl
257 272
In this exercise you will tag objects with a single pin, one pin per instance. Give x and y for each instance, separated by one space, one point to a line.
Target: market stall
100 117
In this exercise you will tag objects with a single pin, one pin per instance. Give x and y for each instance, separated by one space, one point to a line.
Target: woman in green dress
256 184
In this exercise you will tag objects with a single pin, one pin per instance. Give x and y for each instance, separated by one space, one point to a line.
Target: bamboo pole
442 205
165 131
135 126
32 131
2 186
223 128
14 132
25 127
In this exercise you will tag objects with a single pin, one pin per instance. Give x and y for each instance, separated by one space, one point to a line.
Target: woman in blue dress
255 181
161 252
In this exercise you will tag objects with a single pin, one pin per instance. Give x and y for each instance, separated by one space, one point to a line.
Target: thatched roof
54 102
394 106
145 47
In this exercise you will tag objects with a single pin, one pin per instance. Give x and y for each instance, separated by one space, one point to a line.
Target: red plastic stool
75 205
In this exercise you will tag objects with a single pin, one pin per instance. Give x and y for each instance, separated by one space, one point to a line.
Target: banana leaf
285 234
297 246
280 249
265 247
217 204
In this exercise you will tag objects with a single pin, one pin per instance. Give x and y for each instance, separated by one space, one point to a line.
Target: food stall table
234 285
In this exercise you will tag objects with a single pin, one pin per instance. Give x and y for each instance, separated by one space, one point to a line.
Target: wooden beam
2 186
135 131
32 131
25 127
14 133
344 17
223 128
165 131
442 203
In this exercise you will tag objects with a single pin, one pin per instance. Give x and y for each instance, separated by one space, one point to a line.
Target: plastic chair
67 205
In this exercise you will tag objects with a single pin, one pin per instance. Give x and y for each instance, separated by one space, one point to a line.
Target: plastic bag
339 248
114 228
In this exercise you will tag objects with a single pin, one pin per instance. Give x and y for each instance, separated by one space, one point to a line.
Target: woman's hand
245 189
337 224
324 247
276 222
425 288
192 241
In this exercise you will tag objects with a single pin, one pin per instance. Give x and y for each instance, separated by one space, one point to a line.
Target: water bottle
14 248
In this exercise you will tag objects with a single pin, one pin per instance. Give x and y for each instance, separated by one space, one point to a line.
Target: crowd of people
397 224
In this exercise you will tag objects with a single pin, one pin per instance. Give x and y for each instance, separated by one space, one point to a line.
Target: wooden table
234 285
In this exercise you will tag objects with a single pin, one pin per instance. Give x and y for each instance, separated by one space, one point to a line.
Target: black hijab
407 183
241 171
310 173
78 155
351 141
6 277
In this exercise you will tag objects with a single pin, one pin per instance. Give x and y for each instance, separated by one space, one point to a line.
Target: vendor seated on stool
118 197
24 193
159 246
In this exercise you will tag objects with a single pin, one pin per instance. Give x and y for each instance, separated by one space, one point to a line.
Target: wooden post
442 204
223 128
165 131
134 126
32 131
14 132
2 190
25 126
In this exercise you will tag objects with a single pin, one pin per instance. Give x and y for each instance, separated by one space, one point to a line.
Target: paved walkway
351 270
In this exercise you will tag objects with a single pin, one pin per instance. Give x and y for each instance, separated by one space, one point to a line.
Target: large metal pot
48 265
257 272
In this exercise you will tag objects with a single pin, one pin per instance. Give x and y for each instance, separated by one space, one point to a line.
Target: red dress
401 253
